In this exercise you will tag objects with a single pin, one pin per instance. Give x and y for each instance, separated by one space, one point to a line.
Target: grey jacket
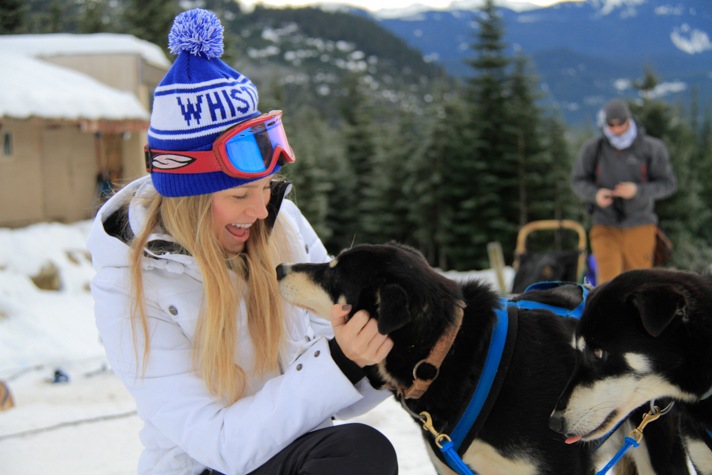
646 163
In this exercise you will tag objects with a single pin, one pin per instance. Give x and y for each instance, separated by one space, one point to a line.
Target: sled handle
549 224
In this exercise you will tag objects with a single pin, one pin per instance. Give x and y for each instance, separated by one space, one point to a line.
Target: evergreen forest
465 165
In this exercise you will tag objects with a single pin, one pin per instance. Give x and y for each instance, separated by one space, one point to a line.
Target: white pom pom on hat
198 32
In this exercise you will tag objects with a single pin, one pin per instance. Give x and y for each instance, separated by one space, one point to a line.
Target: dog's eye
598 353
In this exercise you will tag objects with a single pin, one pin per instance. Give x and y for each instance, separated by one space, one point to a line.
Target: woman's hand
358 337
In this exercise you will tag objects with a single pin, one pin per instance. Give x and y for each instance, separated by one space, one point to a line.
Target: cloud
690 40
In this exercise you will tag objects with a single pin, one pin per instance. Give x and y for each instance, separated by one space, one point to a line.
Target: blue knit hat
196 101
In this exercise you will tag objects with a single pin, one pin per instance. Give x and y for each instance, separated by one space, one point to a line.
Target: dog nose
556 422
281 271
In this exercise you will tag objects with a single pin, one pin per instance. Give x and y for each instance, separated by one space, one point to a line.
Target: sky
89 424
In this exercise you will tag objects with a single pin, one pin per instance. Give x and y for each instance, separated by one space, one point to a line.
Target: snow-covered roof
34 88
59 44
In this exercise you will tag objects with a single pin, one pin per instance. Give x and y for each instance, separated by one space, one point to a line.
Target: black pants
348 449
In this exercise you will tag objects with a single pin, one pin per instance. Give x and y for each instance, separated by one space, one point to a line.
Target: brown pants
620 249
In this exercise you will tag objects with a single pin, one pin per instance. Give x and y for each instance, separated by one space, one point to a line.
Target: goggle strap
180 162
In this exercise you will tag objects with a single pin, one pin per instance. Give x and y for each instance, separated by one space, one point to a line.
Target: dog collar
435 358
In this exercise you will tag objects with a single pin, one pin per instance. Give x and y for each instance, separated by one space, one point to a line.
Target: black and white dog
441 331
645 335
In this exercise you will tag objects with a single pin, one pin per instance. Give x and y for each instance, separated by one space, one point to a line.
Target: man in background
621 174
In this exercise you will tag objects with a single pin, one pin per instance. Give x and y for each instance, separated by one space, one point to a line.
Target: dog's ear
658 305
392 308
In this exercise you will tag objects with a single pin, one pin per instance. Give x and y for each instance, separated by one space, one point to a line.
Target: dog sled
558 264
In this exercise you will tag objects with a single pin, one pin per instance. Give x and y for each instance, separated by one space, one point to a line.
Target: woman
227 377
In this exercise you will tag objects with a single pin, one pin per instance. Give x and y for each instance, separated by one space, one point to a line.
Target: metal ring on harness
663 411
439 440
427 422
417 365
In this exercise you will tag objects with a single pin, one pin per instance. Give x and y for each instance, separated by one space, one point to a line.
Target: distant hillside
585 52
311 54
582 52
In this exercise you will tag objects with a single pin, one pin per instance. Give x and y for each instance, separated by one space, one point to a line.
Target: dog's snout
556 422
282 271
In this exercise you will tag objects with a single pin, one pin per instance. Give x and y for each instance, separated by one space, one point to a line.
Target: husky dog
645 335
427 314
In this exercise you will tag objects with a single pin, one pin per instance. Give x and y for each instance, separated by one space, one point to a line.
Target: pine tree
359 150
560 160
13 16
149 20
439 183
95 17
685 216
51 16
315 146
702 161
385 199
342 217
493 208
535 196
229 12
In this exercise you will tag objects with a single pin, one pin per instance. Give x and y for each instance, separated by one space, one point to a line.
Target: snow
31 87
35 88
89 425
402 8
61 44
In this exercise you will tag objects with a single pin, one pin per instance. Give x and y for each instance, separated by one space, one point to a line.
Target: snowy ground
88 425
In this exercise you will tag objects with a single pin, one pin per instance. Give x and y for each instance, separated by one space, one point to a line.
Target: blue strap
564 312
601 441
494 355
629 442
453 459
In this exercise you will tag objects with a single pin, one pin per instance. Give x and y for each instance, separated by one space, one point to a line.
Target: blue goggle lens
253 150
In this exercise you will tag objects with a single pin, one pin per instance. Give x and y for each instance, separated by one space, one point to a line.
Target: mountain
583 52
313 55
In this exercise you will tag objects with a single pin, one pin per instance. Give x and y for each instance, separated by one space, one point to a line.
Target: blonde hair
188 220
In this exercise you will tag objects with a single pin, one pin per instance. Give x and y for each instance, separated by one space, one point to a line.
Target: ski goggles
250 149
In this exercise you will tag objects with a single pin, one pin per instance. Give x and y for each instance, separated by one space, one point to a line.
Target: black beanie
616 109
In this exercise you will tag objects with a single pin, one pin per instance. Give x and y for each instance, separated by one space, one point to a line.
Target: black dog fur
645 335
414 304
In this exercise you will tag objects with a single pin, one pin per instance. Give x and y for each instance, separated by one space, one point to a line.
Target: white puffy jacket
187 429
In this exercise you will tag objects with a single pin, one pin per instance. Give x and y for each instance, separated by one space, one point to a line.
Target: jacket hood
109 249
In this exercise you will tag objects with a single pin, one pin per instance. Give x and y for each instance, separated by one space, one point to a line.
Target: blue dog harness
490 381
